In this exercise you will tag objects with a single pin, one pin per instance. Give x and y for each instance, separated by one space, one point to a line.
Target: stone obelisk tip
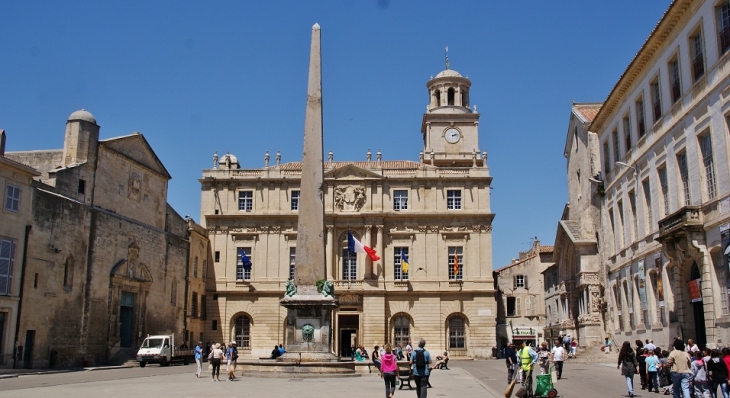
315 26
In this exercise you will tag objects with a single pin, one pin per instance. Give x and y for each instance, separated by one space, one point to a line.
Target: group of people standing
685 371
419 359
217 353
521 359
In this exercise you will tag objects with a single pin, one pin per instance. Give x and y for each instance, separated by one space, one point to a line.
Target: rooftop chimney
2 142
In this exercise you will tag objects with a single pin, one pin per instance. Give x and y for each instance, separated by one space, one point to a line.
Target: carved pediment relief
350 197
132 270
351 172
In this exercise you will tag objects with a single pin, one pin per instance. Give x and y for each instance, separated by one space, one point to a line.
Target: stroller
543 386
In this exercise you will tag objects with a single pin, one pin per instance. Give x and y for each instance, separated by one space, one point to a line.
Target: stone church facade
107 255
435 213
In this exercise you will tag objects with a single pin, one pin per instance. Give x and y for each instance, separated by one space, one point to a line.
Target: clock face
452 135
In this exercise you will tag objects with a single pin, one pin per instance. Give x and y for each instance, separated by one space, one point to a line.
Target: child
652 366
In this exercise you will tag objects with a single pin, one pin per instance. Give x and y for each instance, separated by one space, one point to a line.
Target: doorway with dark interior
698 310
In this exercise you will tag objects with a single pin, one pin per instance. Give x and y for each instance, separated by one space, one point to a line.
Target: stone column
330 253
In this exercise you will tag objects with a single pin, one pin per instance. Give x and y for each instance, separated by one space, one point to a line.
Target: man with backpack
420 360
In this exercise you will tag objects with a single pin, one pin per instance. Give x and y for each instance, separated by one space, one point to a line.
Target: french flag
354 246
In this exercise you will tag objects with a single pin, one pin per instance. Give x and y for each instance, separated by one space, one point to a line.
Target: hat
217 345
233 343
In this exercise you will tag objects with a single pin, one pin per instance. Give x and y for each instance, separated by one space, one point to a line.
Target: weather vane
446 55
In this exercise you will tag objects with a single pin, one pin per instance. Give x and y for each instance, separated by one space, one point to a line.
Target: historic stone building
435 213
575 285
15 226
663 134
107 256
521 296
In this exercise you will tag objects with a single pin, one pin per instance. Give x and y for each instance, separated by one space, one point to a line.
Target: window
294 200
674 81
684 176
195 267
654 277
214 325
634 219
513 306
349 265
292 261
7 260
706 149
82 187
622 225
613 226
520 281
647 203
243 271
664 185
203 309
616 152
723 26
697 53
245 200
606 158
401 331
400 199
243 332
656 100
12 198
398 273
204 269
456 263
194 306
640 125
457 337
68 273
627 132
217 257
453 199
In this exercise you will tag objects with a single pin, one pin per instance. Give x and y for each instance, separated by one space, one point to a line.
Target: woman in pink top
388 368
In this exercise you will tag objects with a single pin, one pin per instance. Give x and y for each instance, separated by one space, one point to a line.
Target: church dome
82 114
448 73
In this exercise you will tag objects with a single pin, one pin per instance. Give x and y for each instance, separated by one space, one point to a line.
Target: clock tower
450 129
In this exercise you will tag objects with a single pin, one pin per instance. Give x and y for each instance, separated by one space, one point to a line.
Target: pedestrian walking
652 367
528 358
543 358
511 362
232 356
558 354
641 359
718 374
216 356
199 358
680 369
628 365
420 360
700 381
388 369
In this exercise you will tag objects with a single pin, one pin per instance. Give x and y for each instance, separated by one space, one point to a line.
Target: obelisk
310 258
309 298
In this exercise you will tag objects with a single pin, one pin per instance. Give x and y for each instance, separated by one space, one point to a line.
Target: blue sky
196 77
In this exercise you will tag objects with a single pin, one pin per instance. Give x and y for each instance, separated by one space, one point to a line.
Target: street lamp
624 164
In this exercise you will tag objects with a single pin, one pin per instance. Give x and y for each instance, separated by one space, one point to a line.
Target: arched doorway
698 311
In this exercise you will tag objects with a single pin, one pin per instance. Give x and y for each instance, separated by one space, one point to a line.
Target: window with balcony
245 200
684 176
400 199
453 199
400 254
640 125
697 54
349 265
674 79
707 161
